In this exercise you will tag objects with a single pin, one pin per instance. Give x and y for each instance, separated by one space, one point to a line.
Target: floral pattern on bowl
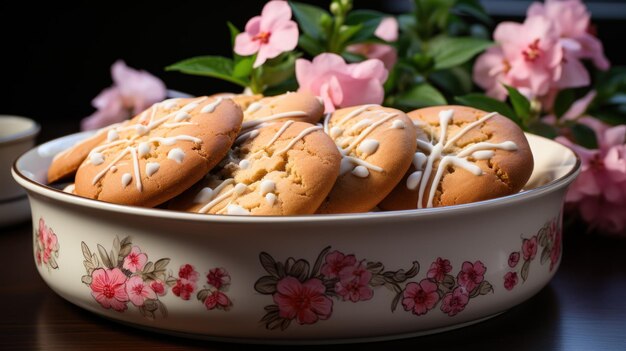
305 294
46 246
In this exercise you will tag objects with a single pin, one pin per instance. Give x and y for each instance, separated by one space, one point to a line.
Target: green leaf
105 257
161 264
352 57
277 70
455 81
485 103
524 271
234 31
266 285
473 9
545 255
542 129
268 263
563 102
610 116
308 17
485 288
310 45
520 103
346 33
243 68
368 21
208 66
584 136
451 52
421 95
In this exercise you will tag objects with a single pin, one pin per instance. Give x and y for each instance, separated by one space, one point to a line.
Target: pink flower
218 277
420 298
471 275
187 272
306 302
132 92
599 192
138 291
491 71
353 283
439 269
268 35
135 260
529 248
217 299
572 20
340 84
513 259
387 30
383 52
510 280
108 287
184 288
38 257
158 287
455 301
335 262
48 241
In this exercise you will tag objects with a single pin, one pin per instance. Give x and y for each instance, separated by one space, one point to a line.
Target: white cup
17 135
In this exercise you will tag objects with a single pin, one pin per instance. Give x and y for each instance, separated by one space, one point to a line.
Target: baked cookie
300 106
376 144
463 155
243 100
287 169
161 152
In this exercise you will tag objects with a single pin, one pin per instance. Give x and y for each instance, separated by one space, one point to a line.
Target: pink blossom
158 287
439 269
387 30
187 272
353 283
420 298
335 262
383 52
138 291
455 301
529 248
304 301
268 35
513 259
108 287
38 257
471 275
341 84
599 192
572 20
135 260
491 71
510 280
184 288
218 278
48 240
132 92
217 299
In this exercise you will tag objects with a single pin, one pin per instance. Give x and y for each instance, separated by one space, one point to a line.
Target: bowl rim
478 206
32 131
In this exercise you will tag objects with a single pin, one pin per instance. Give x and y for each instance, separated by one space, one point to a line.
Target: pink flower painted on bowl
420 298
158 287
471 275
513 259
455 301
187 272
305 302
335 262
138 291
135 260
109 288
439 269
268 35
218 278
184 288
529 248
217 299
46 246
340 84
354 282
510 280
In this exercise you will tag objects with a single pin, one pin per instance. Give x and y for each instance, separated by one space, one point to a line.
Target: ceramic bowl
17 134
300 279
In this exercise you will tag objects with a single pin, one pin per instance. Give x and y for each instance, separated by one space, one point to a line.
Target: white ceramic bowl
300 279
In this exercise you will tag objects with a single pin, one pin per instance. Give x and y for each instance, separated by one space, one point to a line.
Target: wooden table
583 308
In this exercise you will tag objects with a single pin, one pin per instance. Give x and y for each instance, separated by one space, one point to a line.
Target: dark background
56 56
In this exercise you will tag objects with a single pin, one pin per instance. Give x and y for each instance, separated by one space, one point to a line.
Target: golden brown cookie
377 146
463 155
243 100
287 169
161 153
300 106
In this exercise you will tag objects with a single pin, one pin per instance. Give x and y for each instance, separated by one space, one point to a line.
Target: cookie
287 169
161 153
243 100
300 106
377 146
463 155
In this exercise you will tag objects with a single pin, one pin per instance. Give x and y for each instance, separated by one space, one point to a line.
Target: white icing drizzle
424 164
172 140
367 131
360 171
152 168
69 189
113 169
112 135
267 186
354 113
326 121
115 160
169 104
240 188
368 147
96 158
244 164
143 149
253 107
398 124
256 122
209 108
297 138
236 210
247 135
126 179
176 154
347 162
141 129
335 132
212 200
358 126
270 198
279 133
203 196
181 116
133 152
